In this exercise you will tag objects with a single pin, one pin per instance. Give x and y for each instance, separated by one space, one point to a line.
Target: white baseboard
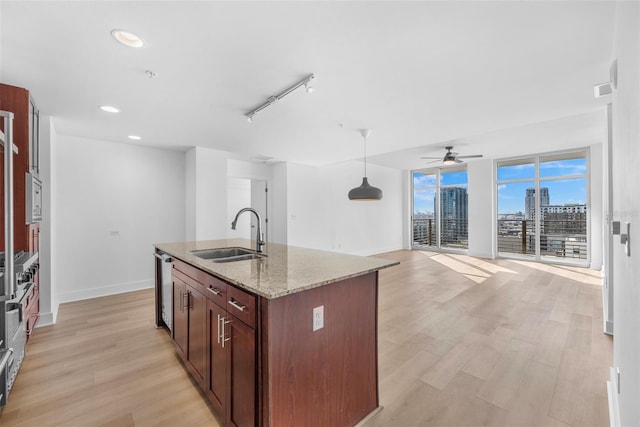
46 319
378 251
612 394
608 327
102 291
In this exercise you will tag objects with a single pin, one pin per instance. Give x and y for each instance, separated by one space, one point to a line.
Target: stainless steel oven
34 199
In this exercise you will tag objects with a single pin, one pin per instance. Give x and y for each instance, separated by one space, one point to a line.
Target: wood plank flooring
471 342
462 342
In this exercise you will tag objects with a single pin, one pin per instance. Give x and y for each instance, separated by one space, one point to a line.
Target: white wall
113 202
238 197
481 208
320 215
596 214
258 174
278 219
626 208
48 258
206 194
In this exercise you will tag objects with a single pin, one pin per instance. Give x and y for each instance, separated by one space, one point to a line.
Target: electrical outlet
318 318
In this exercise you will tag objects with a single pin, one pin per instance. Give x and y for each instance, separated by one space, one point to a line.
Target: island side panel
327 377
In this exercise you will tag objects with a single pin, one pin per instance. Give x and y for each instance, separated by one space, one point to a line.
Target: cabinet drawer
187 280
241 305
216 291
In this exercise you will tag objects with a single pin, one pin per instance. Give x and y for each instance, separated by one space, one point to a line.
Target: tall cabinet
26 137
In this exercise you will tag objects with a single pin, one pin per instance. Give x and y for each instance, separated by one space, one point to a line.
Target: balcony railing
559 238
454 233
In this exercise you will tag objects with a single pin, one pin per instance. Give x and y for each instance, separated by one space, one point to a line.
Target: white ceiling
419 74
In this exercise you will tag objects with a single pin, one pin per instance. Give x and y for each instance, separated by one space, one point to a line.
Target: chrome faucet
259 237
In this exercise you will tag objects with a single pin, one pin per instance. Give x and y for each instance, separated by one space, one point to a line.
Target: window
440 208
542 207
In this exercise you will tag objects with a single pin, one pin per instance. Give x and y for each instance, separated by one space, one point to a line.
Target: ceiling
419 74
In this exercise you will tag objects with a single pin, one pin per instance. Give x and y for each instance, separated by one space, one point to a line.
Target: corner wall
113 202
48 237
626 208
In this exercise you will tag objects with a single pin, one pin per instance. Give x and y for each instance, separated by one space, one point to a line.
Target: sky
562 178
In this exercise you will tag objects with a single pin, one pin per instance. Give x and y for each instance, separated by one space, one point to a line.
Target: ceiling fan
450 157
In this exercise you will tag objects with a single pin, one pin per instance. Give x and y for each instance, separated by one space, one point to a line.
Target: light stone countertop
285 270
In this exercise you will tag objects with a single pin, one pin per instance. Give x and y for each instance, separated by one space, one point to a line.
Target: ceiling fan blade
457 161
453 153
470 157
431 158
433 161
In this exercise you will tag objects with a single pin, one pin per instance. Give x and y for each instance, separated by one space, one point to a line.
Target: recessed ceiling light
127 38
109 109
135 137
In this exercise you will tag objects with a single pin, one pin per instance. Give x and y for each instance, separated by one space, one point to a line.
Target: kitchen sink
227 254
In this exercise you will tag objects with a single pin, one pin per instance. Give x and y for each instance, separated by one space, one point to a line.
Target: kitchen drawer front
187 270
216 291
241 305
187 280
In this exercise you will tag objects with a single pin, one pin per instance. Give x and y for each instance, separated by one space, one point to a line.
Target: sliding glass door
440 208
542 208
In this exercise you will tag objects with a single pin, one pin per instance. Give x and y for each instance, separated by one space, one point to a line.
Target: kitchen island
289 339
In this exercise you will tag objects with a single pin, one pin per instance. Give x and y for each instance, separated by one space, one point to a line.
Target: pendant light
365 192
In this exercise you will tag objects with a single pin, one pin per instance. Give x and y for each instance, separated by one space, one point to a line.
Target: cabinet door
242 374
197 341
216 383
180 317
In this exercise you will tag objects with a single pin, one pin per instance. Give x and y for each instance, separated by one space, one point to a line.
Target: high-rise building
530 201
454 214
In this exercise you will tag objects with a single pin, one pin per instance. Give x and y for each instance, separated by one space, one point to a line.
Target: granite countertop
285 270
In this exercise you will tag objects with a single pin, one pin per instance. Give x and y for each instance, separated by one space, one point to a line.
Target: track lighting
306 82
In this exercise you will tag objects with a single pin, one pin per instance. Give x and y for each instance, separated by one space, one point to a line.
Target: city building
530 201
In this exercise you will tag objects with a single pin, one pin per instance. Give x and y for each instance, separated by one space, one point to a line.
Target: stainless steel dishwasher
166 290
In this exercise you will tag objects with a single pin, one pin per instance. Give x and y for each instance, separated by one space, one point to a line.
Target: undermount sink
227 254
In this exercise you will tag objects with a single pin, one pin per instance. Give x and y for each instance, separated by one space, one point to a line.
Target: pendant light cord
365 156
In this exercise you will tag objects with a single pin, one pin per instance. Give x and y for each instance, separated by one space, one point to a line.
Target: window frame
538 183
438 171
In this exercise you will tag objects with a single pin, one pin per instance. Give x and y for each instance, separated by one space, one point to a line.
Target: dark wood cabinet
18 101
190 321
197 332
216 383
241 347
180 330
26 136
264 362
32 308
215 336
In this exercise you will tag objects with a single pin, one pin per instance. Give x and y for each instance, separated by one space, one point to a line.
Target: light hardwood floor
462 342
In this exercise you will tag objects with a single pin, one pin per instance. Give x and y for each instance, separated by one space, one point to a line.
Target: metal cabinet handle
218 332
181 302
186 304
215 291
224 322
238 306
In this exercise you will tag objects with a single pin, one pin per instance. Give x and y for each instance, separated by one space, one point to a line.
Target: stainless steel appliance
166 290
34 199
14 331
16 271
